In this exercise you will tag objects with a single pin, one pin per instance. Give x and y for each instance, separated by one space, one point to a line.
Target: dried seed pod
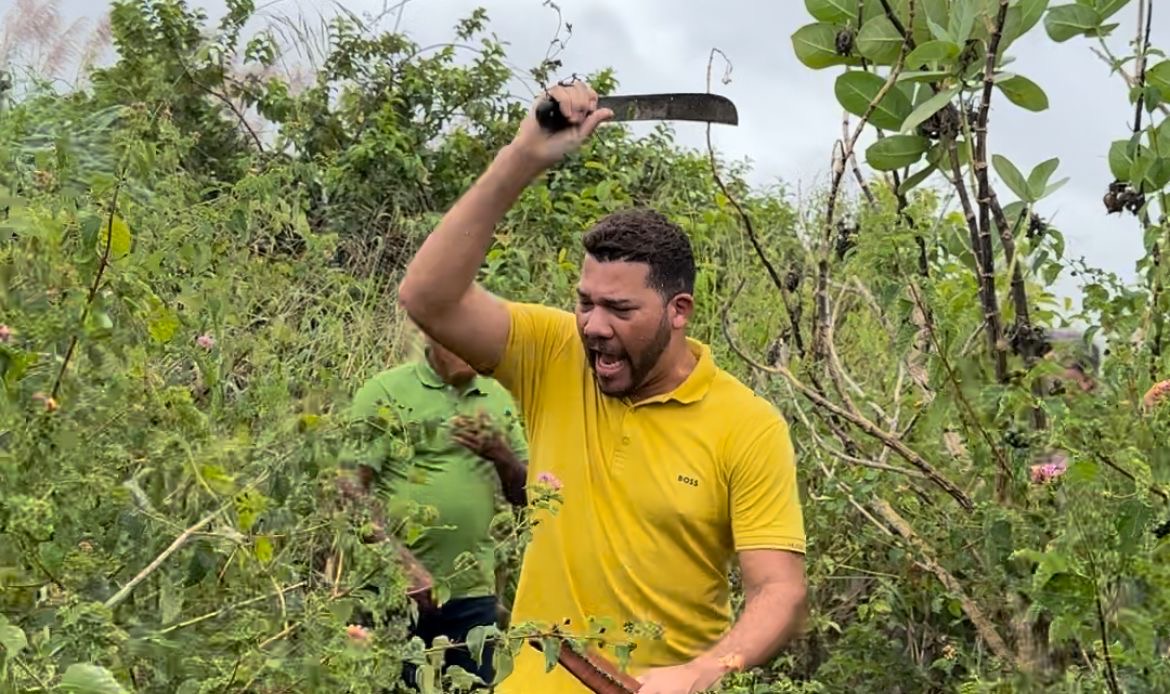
844 42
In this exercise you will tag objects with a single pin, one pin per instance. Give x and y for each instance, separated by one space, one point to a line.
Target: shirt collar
431 379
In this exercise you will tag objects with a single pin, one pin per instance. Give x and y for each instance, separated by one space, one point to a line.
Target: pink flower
549 479
1153 396
357 633
1046 472
5 333
205 341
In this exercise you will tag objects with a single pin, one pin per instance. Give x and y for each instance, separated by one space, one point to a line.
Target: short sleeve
765 500
536 336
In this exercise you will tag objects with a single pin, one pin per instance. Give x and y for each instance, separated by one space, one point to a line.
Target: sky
789 118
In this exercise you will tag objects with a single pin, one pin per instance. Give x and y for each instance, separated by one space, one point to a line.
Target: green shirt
417 465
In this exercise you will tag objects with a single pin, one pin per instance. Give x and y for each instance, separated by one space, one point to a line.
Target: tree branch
983 270
857 420
983 626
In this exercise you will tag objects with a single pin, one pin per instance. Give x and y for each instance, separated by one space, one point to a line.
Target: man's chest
655 469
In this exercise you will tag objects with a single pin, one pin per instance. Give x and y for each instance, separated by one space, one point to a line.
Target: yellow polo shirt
657 497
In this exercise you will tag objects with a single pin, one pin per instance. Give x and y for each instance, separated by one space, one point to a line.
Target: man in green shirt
454 443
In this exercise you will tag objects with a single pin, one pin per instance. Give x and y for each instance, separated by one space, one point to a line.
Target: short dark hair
642 235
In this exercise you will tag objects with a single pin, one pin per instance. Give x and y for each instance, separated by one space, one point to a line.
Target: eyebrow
620 304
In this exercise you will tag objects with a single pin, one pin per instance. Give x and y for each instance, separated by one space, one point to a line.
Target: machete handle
549 115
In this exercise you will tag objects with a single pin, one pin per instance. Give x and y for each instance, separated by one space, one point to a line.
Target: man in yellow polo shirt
670 468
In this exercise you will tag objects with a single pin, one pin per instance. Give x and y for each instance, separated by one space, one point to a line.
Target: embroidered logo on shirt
688 480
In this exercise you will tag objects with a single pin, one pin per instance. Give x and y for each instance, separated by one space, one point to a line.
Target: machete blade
696 106
700 106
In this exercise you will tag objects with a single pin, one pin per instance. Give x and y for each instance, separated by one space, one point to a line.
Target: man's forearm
769 620
513 474
446 264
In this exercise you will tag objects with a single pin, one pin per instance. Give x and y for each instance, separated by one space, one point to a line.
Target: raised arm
439 291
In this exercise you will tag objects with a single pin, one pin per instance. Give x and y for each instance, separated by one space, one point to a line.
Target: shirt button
625 439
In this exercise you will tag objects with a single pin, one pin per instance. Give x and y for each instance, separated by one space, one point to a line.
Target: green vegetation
198 258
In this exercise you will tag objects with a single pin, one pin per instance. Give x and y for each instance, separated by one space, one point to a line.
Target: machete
697 106
592 670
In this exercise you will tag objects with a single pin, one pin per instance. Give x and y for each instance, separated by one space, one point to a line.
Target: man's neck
677 363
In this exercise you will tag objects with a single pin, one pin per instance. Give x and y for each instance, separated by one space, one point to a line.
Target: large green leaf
839 11
1021 18
932 51
1023 92
916 179
84 678
961 19
1107 8
1011 176
856 90
815 46
1038 179
1121 159
896 151
1159 76
879 41
928 108
116 232
12 638
1066 21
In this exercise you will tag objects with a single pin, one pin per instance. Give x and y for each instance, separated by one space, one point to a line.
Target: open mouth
607 365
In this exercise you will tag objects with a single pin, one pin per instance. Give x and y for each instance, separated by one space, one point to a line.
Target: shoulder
756 426
384 385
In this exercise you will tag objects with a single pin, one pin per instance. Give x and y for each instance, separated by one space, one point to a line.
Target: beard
619 373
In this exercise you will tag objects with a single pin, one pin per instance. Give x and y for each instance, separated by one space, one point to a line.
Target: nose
596 326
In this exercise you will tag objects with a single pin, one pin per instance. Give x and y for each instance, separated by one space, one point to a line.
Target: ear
679 309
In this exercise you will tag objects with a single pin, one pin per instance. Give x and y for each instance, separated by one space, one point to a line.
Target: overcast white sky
788 115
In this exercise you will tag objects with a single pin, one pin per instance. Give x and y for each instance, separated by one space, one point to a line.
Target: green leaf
263 549
551 646
476 639
1121 159
1158 174
916 178
1023 92
1070 586
839 11
961 20
920 76
502 662
90 679
1052 188
1066 21
815 46
162 325
1038 179
1011 176
896 151
1082 471
1023 17
879 41
12 638
116 233
928 108
1159 76
939 33
1107 8
932 51
1131 524
856 90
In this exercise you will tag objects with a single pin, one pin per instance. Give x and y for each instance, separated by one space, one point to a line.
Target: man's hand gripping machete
698 106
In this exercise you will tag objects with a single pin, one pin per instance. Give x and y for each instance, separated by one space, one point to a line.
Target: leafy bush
188 299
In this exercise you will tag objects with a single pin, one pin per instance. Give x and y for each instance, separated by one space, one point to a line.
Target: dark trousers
454 620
